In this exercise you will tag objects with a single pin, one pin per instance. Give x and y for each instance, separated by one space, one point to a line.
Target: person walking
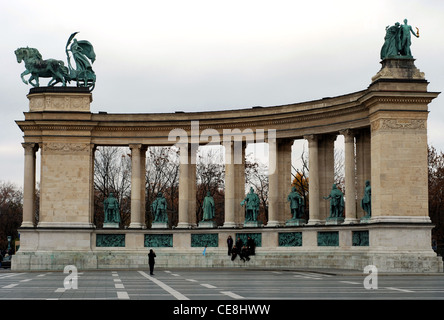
229 244
151 261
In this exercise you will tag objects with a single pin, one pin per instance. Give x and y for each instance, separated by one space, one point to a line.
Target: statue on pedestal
366 201
397 41
83 53
208 207
112 214
252 206
159 207
296 208
296 204
336 202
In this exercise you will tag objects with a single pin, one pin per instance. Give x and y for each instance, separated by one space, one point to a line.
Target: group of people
244 251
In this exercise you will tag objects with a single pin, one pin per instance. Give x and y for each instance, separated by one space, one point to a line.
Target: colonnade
321 178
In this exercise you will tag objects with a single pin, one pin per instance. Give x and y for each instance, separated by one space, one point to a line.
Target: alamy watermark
371 281
232 139
70 281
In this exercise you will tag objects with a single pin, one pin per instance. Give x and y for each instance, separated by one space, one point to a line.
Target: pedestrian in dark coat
151 261
229 244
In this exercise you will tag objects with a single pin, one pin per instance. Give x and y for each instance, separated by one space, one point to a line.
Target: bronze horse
37 67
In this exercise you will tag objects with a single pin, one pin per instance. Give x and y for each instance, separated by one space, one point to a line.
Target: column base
27 224
135 225
351 221
230 225
313 222
183 225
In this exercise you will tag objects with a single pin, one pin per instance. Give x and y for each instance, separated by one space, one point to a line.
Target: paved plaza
216 284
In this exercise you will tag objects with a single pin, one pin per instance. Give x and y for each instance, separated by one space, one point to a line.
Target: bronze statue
159 207
83 54
252 206
208 207
296 204
111 208
397 41
336 202
366 201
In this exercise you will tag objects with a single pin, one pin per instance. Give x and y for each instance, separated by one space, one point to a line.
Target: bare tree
162 175
112 173
256 175
210 173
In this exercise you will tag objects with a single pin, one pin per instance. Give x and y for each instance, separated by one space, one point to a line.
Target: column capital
311 137
30 146
135 146
349 135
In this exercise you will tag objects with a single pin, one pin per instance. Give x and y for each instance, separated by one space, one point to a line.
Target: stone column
326 165
136 200
187 187
279 181
29 185
229 221
363 165
239 183
143 185
273 184
285 178
313 186
350 177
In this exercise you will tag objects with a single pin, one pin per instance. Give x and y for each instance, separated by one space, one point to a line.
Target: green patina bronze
204 240
296 204
208 207
159 209
397 41
360 238
251 203
110 240
111 208
158 240
366 201
290 239
336 202
328 238
83 54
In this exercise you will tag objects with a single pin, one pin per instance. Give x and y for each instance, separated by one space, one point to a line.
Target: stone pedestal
252 224
159 225
334 220
207 224
110 225
295 222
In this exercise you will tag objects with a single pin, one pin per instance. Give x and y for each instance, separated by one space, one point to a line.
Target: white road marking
176 294
209 286
122 295
232 295
397 289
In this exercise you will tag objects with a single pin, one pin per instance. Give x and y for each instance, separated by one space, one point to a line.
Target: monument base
295 222
334 220
207 224
159 225
252 224
110 225
365 219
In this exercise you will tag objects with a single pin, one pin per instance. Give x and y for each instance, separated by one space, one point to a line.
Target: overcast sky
196 55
